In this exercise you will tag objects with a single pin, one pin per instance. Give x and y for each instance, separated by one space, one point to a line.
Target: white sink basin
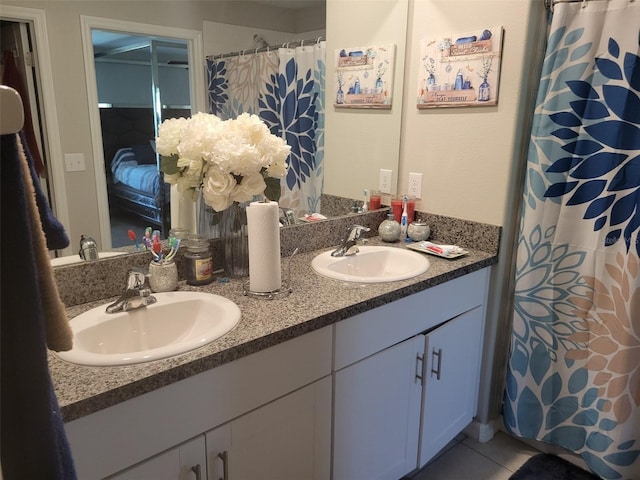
177 323
372 264
70 259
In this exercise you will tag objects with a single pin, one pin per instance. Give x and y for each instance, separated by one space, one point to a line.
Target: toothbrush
364 204
133 238
157 246
147 238
404 220
174 250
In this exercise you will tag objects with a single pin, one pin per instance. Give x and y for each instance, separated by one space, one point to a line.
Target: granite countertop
315 302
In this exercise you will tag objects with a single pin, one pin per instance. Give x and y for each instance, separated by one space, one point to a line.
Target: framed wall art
364 77
460 70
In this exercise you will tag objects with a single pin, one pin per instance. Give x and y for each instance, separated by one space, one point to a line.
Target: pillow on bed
145 155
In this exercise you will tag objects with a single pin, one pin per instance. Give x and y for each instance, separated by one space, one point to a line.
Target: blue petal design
598 441
612 237
539 363
599 466
623 102
566 119
555 38
598 165
614 48
551 388
565 133
578 380
607 425
583 89
632 70
599 224
627 177
589 109
563 165
560 189
622 458
569 437
574 36
616 134
582 147
586 418
626 445
561 410
529 413
599 206
587 192
581 51
609 68
589 397
623 208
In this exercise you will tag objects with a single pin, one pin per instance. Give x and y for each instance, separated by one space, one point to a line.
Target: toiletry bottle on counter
198 260
389 229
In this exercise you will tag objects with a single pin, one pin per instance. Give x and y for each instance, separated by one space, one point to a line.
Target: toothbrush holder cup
163 277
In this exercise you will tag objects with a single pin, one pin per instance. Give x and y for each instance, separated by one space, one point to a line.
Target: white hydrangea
228 160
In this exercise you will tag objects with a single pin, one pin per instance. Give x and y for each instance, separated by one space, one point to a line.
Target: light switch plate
74 162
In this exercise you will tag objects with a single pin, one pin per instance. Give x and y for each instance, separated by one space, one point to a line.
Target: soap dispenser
389 229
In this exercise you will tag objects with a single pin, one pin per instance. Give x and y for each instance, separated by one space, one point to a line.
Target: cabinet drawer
367 333
112 439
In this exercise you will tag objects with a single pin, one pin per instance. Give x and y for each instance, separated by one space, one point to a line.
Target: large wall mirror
224 27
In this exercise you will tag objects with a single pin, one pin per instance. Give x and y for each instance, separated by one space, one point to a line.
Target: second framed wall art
460 70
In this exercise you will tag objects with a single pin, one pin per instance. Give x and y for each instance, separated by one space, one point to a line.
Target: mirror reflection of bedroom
141 81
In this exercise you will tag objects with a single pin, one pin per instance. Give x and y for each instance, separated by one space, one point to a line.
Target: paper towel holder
284 290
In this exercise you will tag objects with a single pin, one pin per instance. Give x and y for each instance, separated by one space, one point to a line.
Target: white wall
359 142
471 158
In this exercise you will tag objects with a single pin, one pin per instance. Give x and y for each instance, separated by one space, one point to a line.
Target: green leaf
273 190
169 165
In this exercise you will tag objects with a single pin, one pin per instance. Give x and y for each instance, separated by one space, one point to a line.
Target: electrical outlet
415 185
74 162
385 180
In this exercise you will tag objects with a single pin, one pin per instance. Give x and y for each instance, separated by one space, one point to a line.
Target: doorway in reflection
141 81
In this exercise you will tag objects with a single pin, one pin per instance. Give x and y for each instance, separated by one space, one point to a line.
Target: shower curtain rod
294 44
550 3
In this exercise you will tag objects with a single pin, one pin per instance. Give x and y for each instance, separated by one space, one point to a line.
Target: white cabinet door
184 462
452 361
377 414
287 439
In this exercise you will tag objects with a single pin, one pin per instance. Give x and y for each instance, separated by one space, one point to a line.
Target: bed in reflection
134 183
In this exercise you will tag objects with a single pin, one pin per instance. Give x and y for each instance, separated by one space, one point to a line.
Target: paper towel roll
263 228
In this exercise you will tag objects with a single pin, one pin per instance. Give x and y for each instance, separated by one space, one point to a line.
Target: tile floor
466 459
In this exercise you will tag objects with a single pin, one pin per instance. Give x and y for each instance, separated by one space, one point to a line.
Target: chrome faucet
287 216
137 295
349 243
88 248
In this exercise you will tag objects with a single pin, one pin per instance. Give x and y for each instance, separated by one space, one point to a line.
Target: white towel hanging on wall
11 111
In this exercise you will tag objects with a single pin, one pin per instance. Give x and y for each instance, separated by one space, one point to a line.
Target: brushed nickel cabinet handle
198 471
437 354
224 456
419 368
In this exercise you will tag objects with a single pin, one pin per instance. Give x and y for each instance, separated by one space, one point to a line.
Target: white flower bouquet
230 161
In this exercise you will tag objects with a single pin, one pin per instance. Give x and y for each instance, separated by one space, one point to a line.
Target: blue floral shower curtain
285 88
574 369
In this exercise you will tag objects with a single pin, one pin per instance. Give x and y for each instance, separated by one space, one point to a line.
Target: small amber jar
198 260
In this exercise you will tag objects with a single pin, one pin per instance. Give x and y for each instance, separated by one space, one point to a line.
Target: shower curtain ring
318 40
584 3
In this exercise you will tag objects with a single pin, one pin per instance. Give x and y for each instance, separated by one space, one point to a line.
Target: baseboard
480 432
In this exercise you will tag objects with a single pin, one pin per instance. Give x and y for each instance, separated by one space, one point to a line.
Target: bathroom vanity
338 380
